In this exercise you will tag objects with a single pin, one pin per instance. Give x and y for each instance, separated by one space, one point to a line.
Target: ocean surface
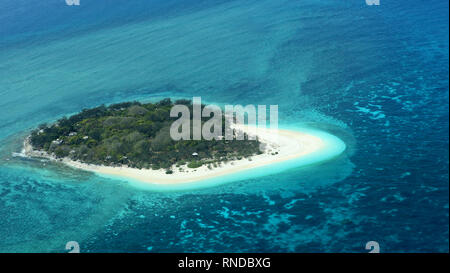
375 76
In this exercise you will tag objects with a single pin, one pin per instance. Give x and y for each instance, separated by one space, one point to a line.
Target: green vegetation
134 134
195 164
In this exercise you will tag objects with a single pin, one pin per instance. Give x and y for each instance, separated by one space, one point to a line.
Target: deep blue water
377 77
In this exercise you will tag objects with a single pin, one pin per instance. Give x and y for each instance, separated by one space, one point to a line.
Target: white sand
288 145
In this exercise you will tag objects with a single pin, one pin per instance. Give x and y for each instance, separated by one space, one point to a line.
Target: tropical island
136 135
132 140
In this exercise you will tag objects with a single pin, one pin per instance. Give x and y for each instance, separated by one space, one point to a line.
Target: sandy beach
277 146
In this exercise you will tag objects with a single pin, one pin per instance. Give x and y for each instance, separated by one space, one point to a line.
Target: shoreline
279 145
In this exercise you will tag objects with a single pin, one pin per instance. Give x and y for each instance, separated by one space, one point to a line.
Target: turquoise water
376 77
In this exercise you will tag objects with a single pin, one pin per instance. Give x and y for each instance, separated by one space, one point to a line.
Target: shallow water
377 77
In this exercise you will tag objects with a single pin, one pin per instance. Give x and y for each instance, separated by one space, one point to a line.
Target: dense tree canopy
134 134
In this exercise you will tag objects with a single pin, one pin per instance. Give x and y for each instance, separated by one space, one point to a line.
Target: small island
136 135
132 140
